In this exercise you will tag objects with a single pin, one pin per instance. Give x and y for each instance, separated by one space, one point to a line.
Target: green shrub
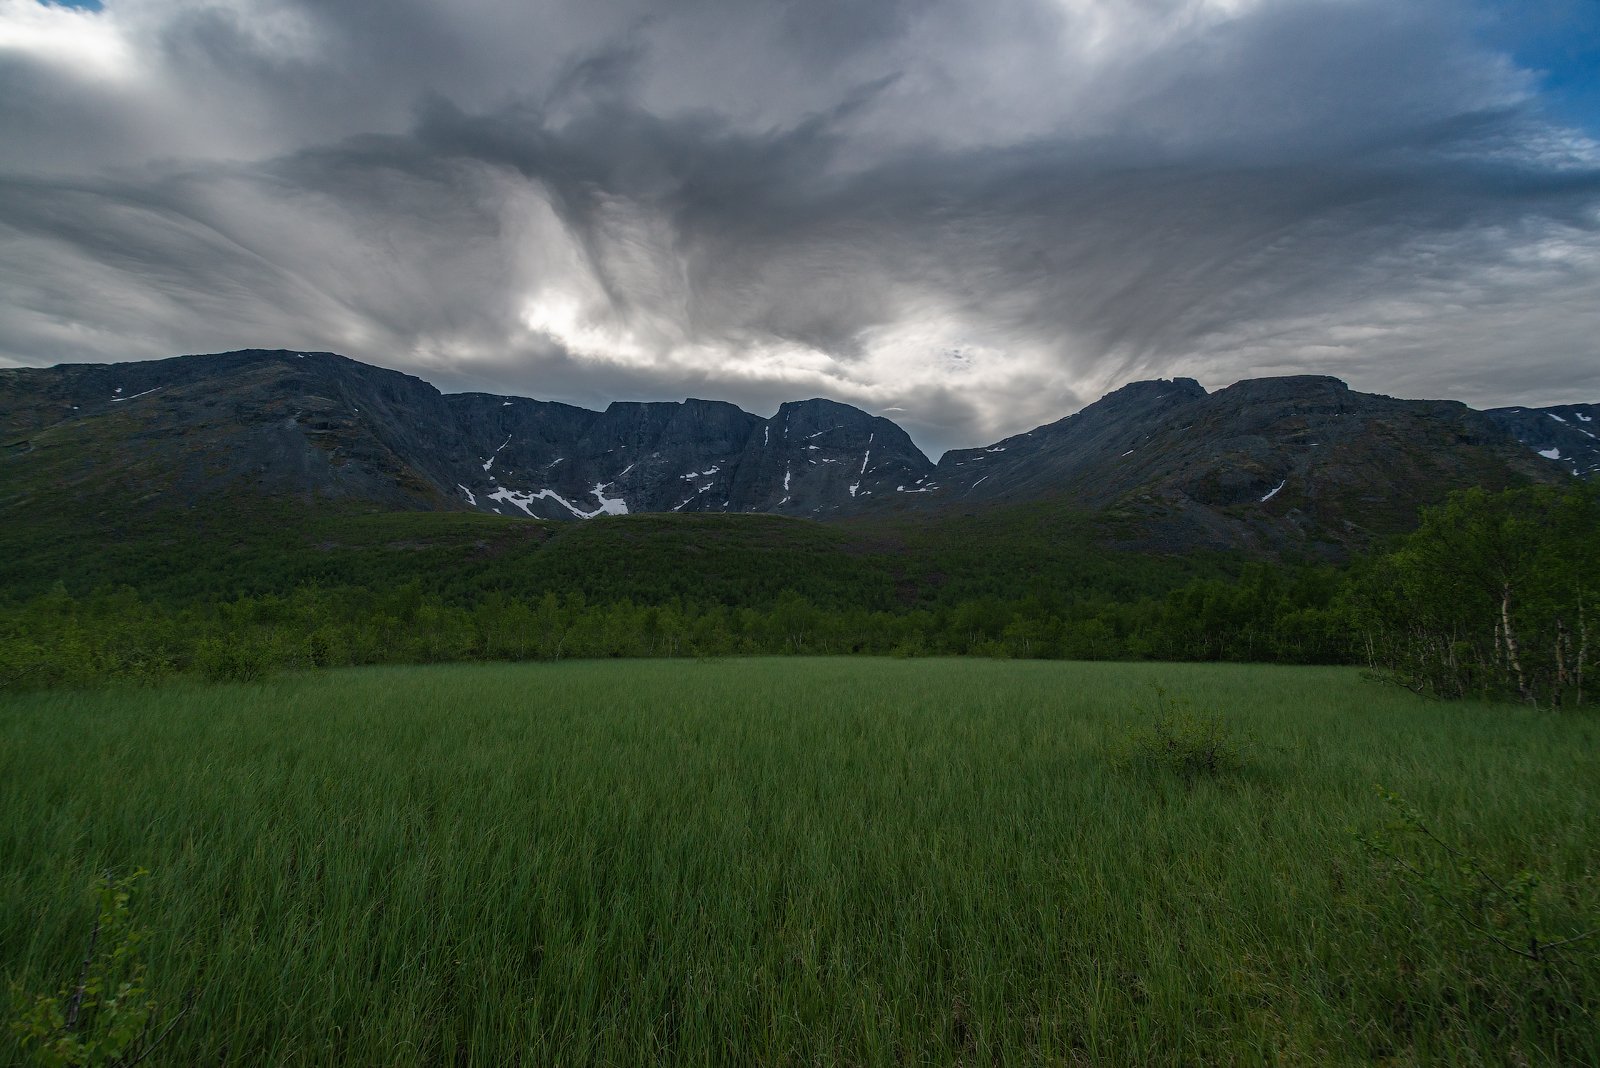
1515 944
232 659
1507 910
105 1019
1182 741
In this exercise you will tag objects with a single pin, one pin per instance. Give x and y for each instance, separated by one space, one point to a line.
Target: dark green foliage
104 1017
1014 555
237 597
243 658
1494 595
1270 613
1175 738
234 600
58 640
1519 945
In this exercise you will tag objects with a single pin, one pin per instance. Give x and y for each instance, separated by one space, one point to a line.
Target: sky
971 216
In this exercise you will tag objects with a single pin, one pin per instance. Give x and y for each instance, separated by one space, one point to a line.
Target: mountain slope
319 426
278 424
1274 463
1297 464
1567 434
813 458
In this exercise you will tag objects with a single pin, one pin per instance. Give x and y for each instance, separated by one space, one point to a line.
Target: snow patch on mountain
608 505
523 500
490 461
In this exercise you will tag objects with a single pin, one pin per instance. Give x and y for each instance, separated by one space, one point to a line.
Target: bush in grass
1183 741
1524 940
105 1018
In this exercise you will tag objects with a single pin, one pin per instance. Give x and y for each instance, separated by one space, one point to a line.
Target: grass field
803 861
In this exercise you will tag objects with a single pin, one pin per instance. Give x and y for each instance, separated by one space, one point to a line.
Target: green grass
795 861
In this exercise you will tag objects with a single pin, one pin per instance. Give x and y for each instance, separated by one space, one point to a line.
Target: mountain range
1299 463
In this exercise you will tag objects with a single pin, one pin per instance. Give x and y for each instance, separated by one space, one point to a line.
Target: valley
467 729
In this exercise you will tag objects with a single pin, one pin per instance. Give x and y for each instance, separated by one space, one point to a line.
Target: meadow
811 861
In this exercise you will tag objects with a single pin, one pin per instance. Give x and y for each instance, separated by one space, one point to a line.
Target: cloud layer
979 215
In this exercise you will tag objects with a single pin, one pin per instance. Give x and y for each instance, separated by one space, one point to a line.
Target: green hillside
252 548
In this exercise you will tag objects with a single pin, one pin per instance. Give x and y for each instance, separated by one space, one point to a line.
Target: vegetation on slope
234 595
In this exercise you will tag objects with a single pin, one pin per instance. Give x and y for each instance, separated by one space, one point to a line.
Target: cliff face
319 426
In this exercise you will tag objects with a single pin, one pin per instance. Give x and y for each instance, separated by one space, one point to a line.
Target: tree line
1493 595
57 639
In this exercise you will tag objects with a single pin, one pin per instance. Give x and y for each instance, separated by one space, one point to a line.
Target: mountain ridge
1262 464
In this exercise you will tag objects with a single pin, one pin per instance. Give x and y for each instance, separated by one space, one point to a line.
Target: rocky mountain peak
1152 389
1286 387
1266 463
1299 459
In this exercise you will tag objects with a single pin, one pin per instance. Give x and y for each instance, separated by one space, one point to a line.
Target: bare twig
151 1048
76 1002
1574 938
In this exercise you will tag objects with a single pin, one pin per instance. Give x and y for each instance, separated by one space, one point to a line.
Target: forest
1493 595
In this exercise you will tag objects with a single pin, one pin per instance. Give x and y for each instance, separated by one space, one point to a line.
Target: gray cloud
984 215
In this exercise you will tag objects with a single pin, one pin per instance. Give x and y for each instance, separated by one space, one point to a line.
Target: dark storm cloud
984 216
